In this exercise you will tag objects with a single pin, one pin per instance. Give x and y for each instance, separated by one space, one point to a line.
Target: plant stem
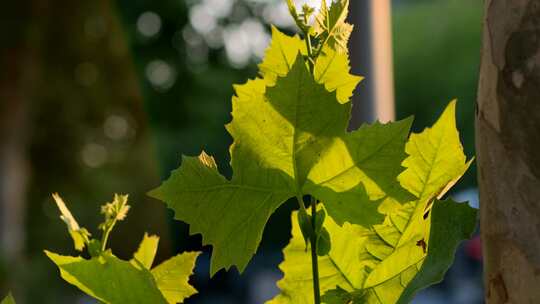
310 52
314 236
321 45
314 258
105 237
109 225
309 47
300 202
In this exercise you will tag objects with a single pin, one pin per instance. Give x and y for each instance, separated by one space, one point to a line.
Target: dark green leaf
324 243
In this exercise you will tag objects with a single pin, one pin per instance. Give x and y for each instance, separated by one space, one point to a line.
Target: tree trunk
508 148
17 83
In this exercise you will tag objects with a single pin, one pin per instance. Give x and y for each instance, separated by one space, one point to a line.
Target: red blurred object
473 248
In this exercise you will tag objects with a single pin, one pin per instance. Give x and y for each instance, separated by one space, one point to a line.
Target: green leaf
435 162
340 267
356 173
337 296
109 279
331 68
324 243
330 25
341 296
114 211
8 299
436 158
397 252
172 277
230 214
280 55
147 251
306 227
94 247
451 223
320 216
289 140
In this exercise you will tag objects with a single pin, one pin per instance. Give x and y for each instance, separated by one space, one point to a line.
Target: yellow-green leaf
396 252
435 157
8 299
331 67
146 252
341 267
109 279
331 27
290 139
172 277
280 55
332 70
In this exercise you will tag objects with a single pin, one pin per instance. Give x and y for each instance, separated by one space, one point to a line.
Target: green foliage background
436 58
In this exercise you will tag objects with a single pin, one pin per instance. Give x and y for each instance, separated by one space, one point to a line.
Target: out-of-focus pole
371 57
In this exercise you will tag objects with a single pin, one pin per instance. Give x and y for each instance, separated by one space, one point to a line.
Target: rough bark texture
508 148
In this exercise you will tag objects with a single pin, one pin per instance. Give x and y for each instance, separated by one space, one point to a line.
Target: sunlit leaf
397 257
146 252
330 25
332 70
172 277
290 139
117 209
8 299
109 279
331 67
340 267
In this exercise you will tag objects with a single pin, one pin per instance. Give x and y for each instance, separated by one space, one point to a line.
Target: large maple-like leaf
109 279
414 245
114 281
290 140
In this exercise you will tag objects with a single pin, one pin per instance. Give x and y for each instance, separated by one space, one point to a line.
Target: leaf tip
207 160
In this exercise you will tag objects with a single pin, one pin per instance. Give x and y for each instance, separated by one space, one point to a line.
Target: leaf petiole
314 256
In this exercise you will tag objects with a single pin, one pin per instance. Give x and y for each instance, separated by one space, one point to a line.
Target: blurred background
103 96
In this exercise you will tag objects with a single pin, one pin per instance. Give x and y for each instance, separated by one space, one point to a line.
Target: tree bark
508 148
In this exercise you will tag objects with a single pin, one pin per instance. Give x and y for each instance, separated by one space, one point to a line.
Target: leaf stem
314 235
301 202
310 52
108 227
105 236
321 45
314 257
309 46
